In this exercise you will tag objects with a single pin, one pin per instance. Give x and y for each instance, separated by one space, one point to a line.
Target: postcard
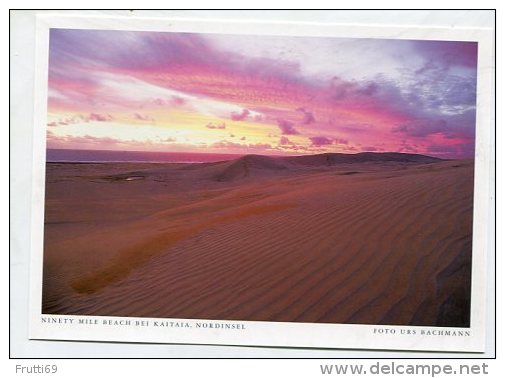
270 184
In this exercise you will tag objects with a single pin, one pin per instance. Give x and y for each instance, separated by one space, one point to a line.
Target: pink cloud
177 101
143 117
99 117
240 116
105 143
82 142
227 144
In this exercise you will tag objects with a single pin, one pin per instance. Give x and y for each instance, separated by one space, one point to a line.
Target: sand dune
257 165
366 238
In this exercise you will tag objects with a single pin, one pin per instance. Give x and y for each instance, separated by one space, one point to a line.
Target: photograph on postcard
235 184
265 178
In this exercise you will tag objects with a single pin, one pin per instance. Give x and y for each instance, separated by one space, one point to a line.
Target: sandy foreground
373 239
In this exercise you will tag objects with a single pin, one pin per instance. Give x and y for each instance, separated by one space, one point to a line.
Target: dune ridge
265 238
260 165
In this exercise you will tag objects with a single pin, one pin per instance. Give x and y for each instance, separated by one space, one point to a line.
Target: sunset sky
181 92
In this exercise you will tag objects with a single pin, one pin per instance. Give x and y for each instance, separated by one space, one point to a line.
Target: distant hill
363 157
250 165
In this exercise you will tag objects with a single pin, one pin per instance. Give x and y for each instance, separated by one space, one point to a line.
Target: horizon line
238 155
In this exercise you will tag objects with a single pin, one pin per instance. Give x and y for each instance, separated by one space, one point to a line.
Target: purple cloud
240 116
448 53
420 127
261 145
284 141
319 141
220 126
369 89
308 117
286 127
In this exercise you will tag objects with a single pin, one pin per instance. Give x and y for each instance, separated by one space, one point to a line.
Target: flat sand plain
361 239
